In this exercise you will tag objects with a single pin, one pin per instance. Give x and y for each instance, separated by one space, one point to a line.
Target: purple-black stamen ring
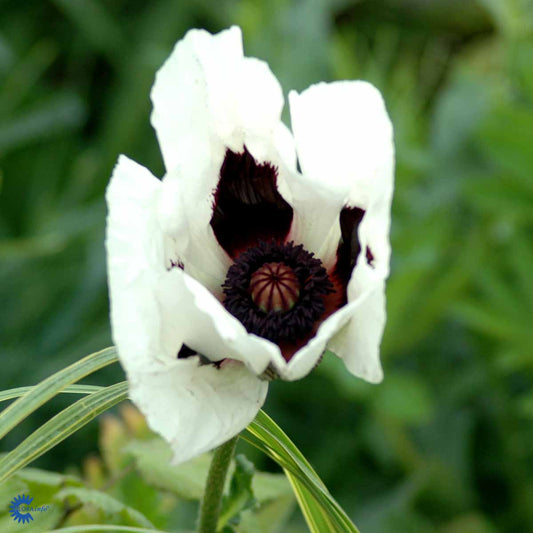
286 324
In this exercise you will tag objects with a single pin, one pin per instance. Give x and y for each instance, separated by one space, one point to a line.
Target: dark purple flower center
277 291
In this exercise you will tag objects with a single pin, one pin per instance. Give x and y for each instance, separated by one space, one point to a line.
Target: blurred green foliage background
446 442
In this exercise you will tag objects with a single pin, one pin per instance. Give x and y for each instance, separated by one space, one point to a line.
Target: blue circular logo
22 516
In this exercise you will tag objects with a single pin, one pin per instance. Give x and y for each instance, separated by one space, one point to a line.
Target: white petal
344 142
135 257
251 112
197 407
184 216
305 359
194 407
359 341
155 311
181 117
316 218
285 146
344 139
193 152
201 322
209 98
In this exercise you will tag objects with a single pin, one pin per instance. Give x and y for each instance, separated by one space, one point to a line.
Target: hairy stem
212 500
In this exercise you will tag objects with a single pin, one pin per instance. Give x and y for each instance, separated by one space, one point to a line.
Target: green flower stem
212 501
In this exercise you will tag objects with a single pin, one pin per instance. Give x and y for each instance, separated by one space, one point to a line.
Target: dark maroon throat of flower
247 206
277 289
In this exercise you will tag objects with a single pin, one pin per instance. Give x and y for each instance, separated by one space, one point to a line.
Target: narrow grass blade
269 425
60 427
41 393
299 476
99 527
317 519
311 492
10 394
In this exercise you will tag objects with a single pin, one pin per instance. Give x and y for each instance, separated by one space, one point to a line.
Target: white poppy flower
237 266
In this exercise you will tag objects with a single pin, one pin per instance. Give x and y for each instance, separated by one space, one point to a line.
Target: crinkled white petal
197 407
181 116
316 218
155 310
184 217
194 407
344 143
135 257
201 322
305 359
208 98
358 342
343 138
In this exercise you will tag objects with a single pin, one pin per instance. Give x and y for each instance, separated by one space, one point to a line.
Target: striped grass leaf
50 387
60 427
94 528
316 517
317 504
11 394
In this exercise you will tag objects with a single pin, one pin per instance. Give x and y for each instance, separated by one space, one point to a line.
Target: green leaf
267 486
36 477
99 527
276 503
38 395
152 459
271 517
10 489
42 486
272 491
42 521
111 507
315 515
241 495
317 504
69 389
60 427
